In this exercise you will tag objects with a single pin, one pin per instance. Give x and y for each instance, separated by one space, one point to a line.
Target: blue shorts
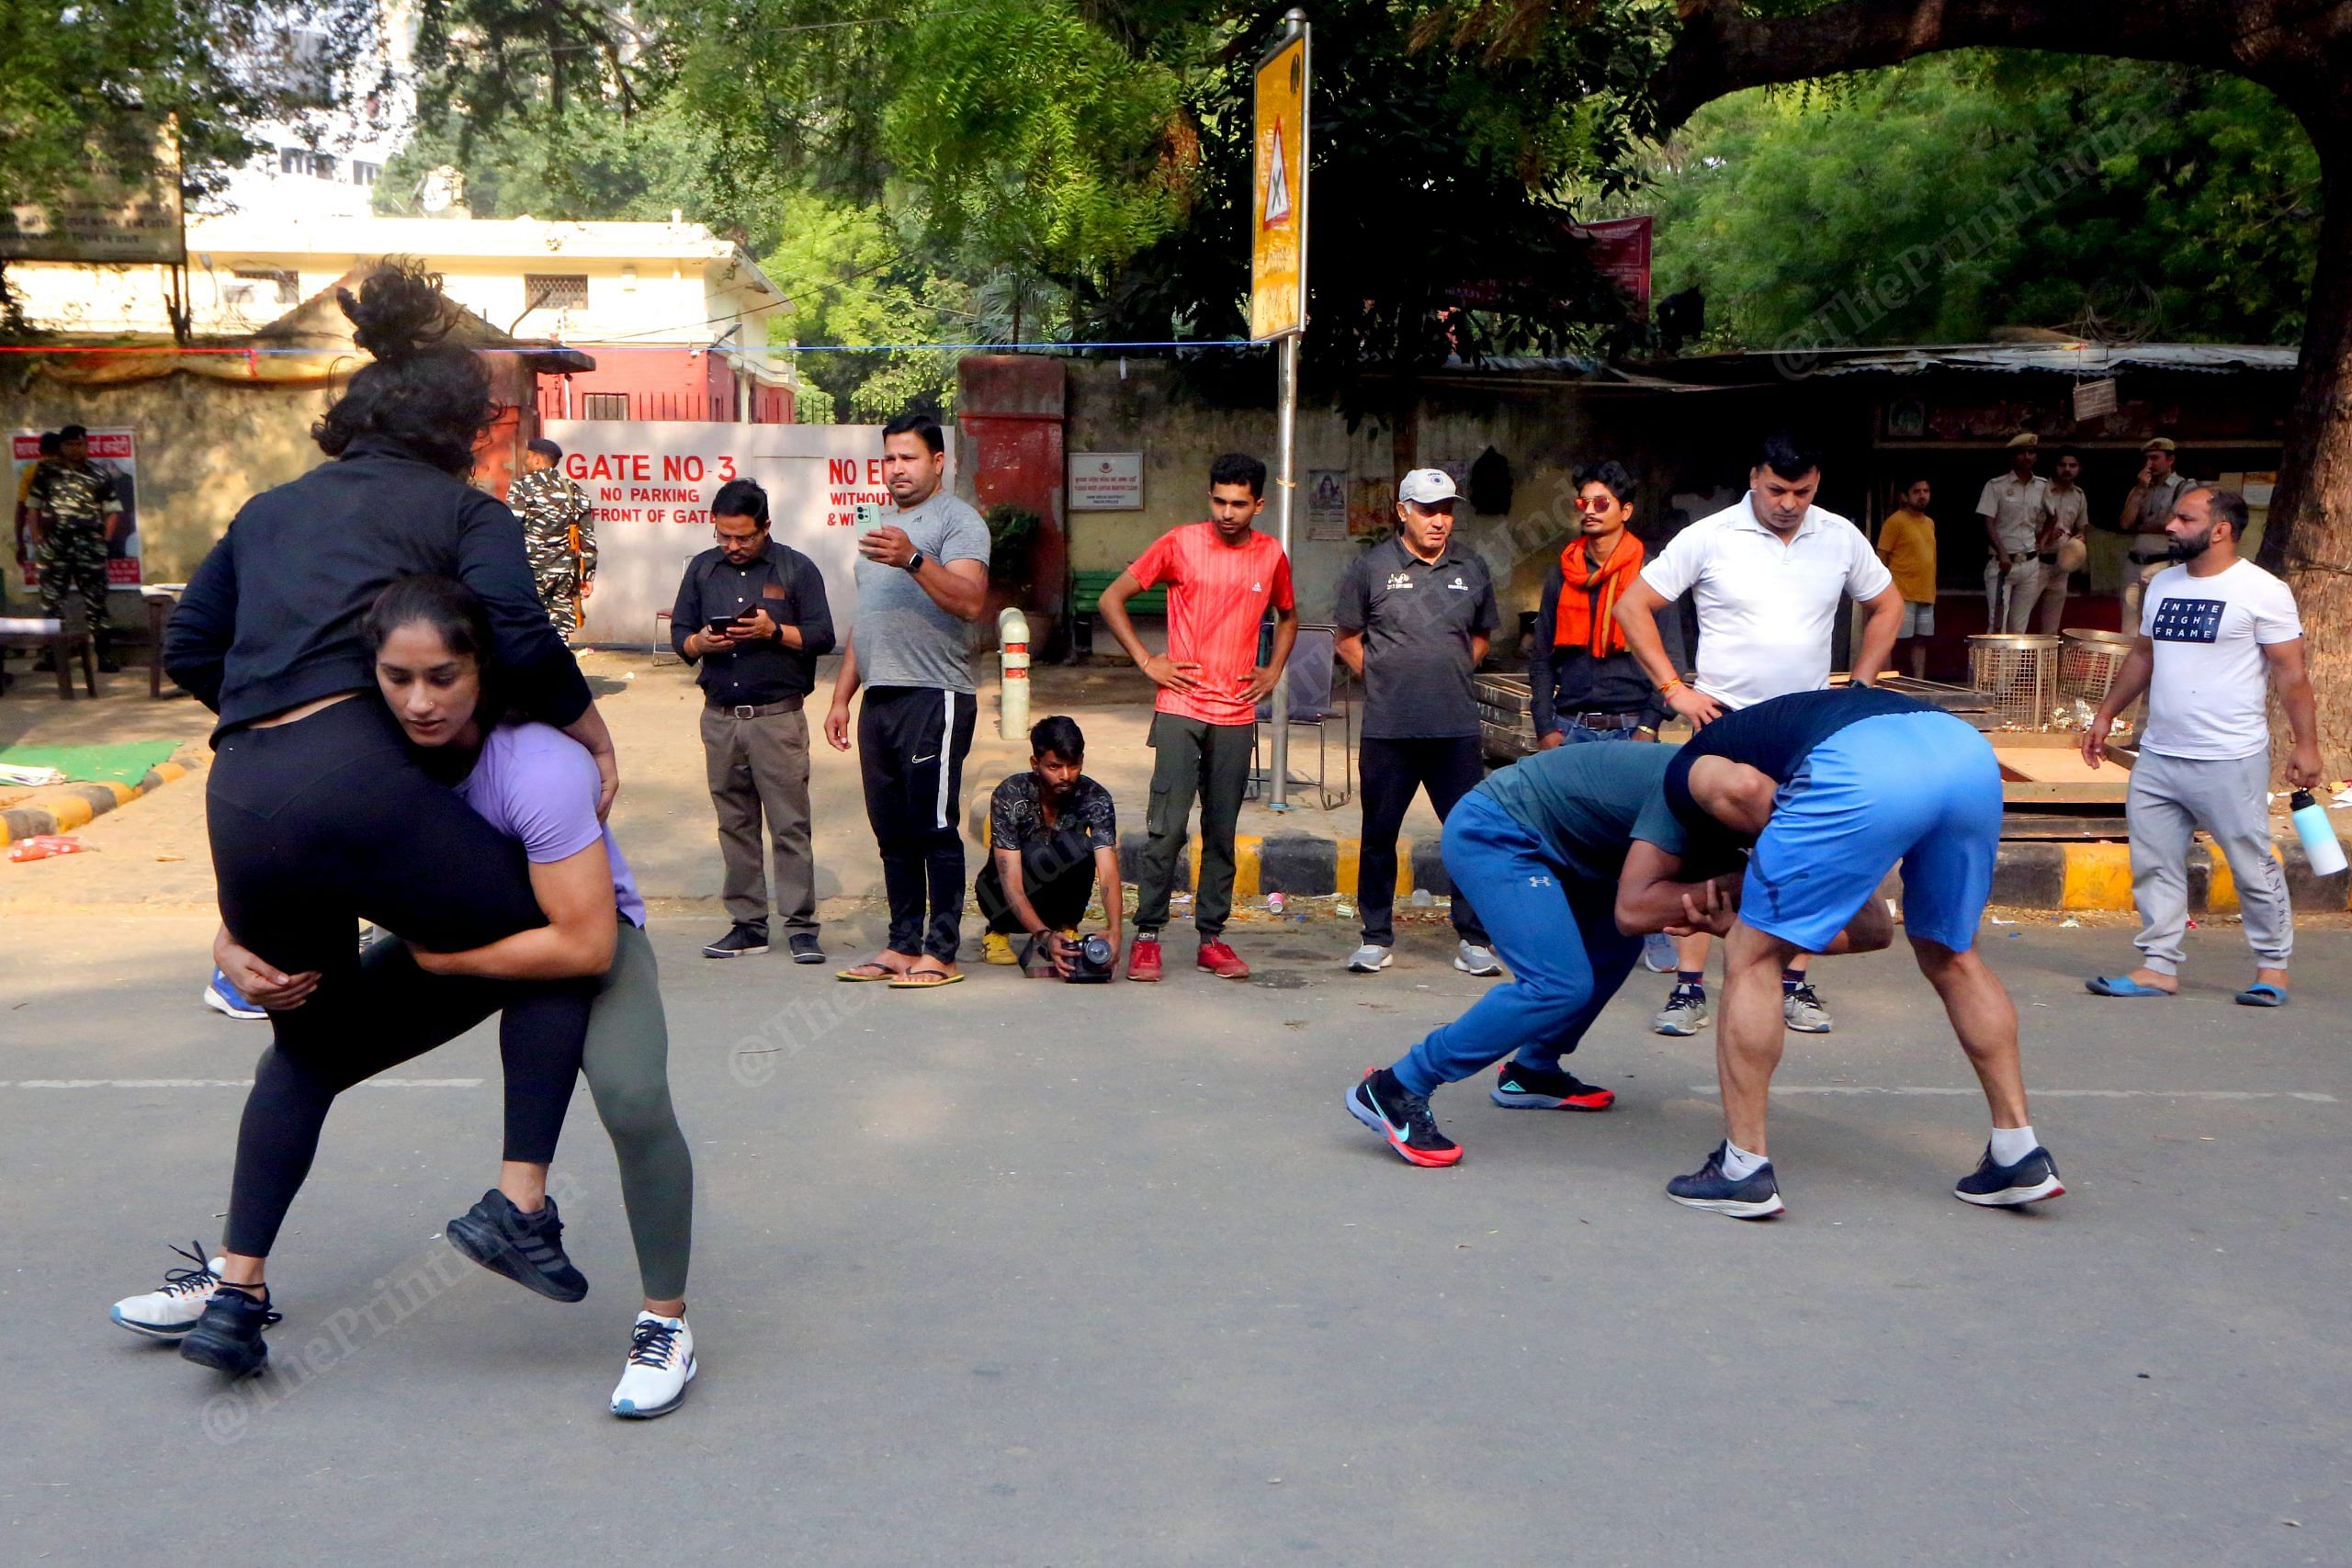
1918 788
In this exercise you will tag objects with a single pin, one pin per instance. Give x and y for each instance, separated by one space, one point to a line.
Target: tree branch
1723 47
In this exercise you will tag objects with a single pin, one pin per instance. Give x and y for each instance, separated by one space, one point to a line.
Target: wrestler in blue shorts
1834 789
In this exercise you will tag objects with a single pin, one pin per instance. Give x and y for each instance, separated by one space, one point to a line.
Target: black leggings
321 823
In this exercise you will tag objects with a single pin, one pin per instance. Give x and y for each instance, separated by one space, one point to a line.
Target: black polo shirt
1417 618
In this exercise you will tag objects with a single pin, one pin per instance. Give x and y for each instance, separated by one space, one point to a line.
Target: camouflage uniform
73 499
549 507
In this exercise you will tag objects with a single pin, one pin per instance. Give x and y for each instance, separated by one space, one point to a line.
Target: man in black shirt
1415 613
1834 788
753 613
1053 832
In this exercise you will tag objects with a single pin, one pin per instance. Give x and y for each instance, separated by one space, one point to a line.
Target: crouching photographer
1053 836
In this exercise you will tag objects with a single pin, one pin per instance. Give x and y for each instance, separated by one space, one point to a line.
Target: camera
1092 959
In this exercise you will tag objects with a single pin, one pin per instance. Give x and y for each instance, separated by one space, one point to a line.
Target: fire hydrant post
1013 647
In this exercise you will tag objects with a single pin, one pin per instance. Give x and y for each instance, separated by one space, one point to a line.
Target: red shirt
1216 596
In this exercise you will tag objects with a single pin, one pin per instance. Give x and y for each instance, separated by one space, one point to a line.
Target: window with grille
363 173
555 290
303 161
604 405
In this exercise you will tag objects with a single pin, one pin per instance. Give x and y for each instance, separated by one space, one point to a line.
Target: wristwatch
914 562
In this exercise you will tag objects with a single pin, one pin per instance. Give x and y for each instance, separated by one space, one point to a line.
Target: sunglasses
1596 502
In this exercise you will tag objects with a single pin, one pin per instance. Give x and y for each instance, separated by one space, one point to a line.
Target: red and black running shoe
1402 1117
1222 962
1524 1088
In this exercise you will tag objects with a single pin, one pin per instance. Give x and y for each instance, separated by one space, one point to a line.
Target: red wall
1008 413
664 383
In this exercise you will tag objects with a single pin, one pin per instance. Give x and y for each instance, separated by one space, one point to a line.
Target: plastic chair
1315 700
661 651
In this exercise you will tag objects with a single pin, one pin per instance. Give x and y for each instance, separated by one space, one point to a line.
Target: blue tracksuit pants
1557 933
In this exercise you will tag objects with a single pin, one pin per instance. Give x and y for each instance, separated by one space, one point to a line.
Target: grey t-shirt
902 637
1587 803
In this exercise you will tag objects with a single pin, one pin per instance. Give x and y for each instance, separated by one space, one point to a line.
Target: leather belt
755 710
1606 720
2048 558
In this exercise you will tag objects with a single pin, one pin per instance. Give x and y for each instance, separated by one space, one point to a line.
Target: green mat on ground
125 762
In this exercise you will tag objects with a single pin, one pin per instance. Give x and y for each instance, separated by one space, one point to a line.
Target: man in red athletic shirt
1221 575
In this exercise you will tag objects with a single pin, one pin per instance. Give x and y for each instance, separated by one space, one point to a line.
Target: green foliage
1939 201
855 279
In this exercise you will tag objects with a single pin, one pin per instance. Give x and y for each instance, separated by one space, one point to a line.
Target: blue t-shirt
535 783
1587 803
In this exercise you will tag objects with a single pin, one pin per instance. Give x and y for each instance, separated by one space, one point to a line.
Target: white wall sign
650 484
1106 482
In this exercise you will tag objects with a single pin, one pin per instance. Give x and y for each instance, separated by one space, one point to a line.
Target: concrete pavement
1023 1273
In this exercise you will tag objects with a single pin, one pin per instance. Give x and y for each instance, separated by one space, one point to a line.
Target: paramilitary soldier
558 534
74 507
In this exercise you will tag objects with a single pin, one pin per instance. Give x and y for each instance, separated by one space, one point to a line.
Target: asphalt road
1025 1274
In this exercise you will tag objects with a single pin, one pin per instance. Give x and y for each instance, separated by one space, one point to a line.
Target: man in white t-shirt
1766 576
2216 634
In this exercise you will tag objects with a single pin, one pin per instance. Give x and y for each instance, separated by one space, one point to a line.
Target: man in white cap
2015 509
1414 615
2149 507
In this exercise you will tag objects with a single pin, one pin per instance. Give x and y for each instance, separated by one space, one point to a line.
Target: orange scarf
1588 594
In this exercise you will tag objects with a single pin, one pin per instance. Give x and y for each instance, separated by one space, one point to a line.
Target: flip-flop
933 980
882 972
2121 986
2262 994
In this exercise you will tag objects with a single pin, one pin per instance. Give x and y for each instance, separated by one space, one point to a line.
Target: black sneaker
1523 1088
805 948
740 941
1397 1113
527 1248
1757 1197
1992 1186
228 1336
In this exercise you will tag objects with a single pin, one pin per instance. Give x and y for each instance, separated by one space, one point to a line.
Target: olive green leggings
627 1067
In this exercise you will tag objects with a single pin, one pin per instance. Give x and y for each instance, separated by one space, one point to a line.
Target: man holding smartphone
753 613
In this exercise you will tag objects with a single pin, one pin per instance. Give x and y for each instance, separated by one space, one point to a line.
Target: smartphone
868 516
720 626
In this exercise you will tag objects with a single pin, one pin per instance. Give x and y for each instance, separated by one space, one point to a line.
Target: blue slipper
2262 994
2124 986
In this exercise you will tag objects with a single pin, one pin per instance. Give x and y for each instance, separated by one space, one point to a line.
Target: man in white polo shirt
1767 575
2217 634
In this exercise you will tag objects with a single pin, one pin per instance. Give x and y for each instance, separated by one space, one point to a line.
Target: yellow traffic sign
1278 204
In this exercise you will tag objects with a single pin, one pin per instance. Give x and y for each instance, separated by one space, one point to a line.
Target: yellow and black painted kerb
64 808
2027 875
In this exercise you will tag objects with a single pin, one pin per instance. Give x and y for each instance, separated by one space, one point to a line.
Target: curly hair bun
400 308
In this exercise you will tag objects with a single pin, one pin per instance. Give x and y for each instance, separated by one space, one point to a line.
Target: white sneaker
1473 959
1657 953
660 1365
172 1312
1369 959
1802 1011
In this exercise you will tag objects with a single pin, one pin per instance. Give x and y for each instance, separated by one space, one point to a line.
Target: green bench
1086 601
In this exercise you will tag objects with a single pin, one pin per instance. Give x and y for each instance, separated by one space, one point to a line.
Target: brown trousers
756 766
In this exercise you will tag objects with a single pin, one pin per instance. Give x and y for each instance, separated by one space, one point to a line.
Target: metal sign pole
1286 424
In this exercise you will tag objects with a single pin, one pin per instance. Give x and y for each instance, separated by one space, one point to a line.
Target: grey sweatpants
626 1063
2172 796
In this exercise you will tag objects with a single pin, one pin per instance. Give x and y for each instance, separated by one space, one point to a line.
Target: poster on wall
650 484
114 451
1327 503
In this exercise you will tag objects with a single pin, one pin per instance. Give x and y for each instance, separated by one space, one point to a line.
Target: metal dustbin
2087 664
2018 673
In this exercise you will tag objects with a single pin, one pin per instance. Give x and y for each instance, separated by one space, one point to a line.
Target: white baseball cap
1428 487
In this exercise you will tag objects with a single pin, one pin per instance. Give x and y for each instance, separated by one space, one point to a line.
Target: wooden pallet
2044 768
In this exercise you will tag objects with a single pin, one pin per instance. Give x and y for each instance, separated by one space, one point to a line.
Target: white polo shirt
1766 607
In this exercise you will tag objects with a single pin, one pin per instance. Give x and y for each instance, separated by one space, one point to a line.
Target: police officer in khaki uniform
558 534
2145 512
2014 507
74 507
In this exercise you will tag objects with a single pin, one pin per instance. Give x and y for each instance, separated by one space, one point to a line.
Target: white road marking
2310 1095
225 1083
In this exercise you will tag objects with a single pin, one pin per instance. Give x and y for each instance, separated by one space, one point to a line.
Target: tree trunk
2309 537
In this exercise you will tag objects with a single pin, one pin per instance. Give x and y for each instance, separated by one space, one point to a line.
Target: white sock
2011 1144
1738 1164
